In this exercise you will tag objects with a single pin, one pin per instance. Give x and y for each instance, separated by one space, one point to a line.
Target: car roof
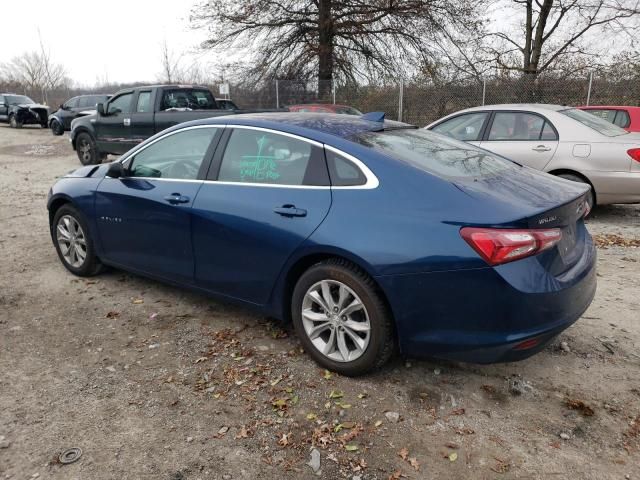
327 105
612 107
343 126
520 106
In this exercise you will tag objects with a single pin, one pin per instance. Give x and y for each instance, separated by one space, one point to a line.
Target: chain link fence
420 103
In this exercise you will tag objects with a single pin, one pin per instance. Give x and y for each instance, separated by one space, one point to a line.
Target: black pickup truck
135 114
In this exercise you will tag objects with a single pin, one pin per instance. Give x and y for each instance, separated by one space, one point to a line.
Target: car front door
270 193
112 128
525 137
144 217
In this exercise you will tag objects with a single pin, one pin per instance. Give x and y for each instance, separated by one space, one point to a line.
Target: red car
625 117
325 108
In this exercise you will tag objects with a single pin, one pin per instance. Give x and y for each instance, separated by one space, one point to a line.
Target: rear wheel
14 122
341 318
576 178
87 151
72 241
56 127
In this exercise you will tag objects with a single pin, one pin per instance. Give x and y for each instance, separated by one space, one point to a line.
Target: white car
560 140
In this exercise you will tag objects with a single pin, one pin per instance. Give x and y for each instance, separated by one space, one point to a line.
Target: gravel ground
155 382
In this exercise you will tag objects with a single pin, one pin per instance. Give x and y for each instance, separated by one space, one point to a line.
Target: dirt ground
153 382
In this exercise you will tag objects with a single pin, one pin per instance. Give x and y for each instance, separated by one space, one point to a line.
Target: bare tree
327 39
171 71
553 33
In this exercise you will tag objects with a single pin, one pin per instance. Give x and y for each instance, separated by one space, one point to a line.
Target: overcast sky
120 38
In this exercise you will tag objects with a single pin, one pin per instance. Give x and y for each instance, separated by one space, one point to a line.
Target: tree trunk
325 48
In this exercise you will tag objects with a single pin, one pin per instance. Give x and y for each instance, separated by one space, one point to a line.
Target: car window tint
144 102
72 102
254 156
120 104
622 119
516 126
467 127
178 155
432 153
343 172
187 99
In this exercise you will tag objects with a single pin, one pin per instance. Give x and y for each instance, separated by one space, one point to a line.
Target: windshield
596 123
17 99
435 153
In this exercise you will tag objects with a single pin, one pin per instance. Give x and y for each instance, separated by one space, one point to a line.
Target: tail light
499 245
634 153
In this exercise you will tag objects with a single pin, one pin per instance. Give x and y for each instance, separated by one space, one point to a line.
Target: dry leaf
579 405
138 301
284 440
453 457
414 463
403 453
351 448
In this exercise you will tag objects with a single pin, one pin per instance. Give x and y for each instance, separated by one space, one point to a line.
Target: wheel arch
55 203
281 297
559 171
77 131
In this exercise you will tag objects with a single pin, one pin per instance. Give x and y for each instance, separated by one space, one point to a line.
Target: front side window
72 102
187 99
144 102
176 156
598 124
256 156
120 104
432 153
467 127
520 126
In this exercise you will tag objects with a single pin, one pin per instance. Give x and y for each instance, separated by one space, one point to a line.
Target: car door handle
126 122
290 211
176 198
541 148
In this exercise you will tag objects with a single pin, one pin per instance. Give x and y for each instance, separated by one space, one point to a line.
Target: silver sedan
560 140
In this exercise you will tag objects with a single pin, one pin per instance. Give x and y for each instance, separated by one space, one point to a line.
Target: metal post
484 90
589 91
333 88
400 100
277 96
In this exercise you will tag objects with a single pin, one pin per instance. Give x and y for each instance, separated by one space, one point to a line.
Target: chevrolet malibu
368 235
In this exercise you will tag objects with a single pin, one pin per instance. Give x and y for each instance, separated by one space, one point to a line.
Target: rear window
435 153
594 122
188 99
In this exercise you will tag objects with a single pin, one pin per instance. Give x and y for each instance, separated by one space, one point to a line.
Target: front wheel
56 127
73 243
341 318
87 150
14 122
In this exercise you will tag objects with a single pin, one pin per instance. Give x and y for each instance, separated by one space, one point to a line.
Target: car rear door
144 218
142 117
268 192
4 108
525 137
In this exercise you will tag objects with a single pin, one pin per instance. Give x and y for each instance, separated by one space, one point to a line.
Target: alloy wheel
336 321
71 240
85 150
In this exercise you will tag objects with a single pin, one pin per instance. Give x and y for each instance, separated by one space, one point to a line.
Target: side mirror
116 170
100 109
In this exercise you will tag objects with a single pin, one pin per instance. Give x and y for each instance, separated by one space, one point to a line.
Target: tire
591 200
56 127
71 242
87 150
14 122
376 344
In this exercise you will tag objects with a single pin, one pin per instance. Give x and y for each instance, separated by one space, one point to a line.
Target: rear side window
343 172
466 127
256 156
144 102
435 154
594 122
520 126
622 119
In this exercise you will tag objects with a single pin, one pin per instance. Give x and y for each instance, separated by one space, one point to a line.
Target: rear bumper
616 187
484 315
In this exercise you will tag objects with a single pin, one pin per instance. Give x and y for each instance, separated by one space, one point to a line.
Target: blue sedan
368 235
